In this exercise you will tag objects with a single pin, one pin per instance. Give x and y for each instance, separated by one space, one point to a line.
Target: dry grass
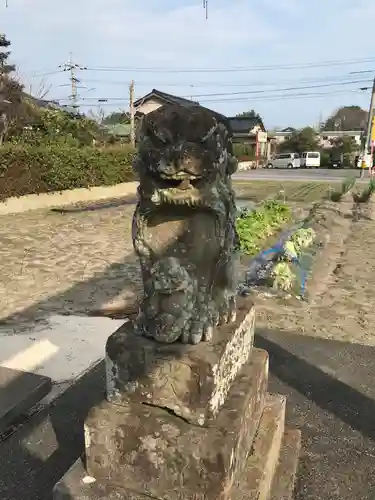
292 191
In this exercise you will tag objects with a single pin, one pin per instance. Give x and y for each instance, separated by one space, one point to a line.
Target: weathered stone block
284 480
191 381
152 451
256 479
77 485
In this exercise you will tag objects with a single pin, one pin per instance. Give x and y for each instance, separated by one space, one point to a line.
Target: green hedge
26 169
243 152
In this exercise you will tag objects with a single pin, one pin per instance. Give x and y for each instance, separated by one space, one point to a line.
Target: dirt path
345 311
66 263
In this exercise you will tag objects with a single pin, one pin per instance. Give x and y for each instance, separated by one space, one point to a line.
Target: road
300 175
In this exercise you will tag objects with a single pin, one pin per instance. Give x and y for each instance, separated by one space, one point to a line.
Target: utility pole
370 119
205 6
132 113
3 103
72 68
367 146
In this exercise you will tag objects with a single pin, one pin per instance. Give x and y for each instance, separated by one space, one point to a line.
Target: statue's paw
208 333
199 331
227 310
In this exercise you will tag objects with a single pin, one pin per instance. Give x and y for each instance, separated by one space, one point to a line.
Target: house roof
243 124
167 98
288 129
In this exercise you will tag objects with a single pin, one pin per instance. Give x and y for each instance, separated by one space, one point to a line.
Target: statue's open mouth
181 180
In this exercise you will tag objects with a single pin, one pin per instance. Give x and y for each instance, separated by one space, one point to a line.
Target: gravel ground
66 263
345 311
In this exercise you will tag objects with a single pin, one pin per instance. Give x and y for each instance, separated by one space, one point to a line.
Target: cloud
175 34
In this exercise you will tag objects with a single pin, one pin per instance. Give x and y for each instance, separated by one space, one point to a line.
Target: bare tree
41 90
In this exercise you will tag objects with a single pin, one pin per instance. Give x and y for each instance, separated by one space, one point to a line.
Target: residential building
155 99
282 135
247 130
325 137
250 131
120 131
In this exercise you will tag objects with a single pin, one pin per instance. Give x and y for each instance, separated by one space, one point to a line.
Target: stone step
19 392
285 475
77 485
256 481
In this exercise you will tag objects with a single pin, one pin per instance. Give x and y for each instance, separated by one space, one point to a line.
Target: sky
290 60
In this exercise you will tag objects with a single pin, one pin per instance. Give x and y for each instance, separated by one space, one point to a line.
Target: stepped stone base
285 474
270 469
263 458
140 444
186 423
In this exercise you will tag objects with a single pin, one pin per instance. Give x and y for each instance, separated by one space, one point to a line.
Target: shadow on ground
98 205
34 459
118 282
331 399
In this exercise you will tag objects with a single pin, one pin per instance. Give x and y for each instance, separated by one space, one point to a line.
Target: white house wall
149 106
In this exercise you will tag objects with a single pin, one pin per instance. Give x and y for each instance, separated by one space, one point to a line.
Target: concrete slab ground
55 352
59 347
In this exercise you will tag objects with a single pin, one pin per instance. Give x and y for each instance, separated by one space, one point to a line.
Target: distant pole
367 145
3 103
72 68
73 80
205 6
132 113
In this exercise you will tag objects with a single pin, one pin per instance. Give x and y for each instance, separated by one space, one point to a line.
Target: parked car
310 159
335 163
285 160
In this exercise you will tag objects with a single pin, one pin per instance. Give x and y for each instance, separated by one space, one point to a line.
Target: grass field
292 191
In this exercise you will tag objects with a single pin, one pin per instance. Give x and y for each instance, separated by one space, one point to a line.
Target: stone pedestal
186 422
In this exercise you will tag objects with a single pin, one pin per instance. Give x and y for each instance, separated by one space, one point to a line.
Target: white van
285 160
310 159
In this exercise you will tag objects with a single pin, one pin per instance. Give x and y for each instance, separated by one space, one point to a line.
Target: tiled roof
243 124
168 98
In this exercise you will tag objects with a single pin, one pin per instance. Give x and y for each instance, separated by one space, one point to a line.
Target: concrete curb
20 391
21 204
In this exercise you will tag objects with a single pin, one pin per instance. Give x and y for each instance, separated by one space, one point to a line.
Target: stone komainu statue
184 224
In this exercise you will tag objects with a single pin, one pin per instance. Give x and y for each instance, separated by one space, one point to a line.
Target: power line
48 73
262 91
215 83
251 92
286 66
281 97
295 66
295 96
